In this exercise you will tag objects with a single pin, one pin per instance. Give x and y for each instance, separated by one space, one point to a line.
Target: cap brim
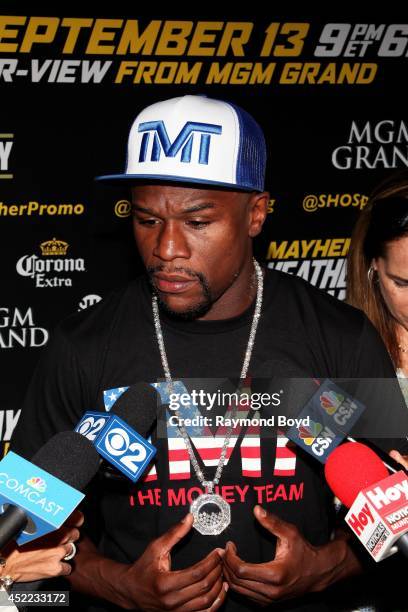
160 178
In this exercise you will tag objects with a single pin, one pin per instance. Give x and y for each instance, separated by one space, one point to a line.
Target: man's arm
58 394
98 576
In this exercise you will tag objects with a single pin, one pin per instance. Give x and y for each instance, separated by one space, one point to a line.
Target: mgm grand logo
51 268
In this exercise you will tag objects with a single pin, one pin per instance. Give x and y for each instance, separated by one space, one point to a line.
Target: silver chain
209 484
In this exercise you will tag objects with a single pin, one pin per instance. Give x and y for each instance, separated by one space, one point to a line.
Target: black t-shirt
95 355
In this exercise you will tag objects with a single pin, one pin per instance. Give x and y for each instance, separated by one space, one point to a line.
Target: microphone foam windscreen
70 457
138 406
352 467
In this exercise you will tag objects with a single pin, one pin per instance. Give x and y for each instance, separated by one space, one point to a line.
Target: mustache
151 270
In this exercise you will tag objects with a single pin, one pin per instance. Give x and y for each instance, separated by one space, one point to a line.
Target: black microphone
67 456
139 406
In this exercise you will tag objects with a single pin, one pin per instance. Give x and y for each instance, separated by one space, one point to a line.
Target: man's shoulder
311 303
99 319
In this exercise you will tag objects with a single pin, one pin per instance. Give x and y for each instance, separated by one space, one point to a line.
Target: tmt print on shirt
245 442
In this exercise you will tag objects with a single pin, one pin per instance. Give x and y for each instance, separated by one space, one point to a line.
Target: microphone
139 406
38 496
116 436
318 414
324 415
325 418
390 463
378 501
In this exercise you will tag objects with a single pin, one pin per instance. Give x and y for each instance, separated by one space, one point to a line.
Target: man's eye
148 222
198 224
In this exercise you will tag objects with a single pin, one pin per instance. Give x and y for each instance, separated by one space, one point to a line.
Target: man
205 309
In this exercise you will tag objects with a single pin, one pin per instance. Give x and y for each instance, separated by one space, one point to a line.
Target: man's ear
258 209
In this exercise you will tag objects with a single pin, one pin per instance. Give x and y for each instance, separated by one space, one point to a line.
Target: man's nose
171 243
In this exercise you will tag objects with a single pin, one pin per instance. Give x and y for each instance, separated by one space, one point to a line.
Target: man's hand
298 567
152 586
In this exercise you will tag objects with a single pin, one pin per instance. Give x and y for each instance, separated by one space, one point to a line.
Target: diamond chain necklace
210 523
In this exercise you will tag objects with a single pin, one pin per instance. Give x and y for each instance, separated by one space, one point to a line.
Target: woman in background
377 283
377 271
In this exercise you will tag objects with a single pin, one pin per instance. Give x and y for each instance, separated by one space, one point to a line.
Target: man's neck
236 299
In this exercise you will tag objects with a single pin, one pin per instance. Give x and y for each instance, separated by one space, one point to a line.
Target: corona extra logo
53 260
54 247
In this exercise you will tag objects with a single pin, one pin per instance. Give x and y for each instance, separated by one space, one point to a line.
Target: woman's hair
384 220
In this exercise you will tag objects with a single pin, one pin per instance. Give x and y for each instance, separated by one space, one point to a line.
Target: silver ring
71 554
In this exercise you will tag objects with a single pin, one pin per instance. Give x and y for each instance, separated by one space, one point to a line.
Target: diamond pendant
213 520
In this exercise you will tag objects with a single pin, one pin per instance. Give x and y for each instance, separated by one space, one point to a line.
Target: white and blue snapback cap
195 139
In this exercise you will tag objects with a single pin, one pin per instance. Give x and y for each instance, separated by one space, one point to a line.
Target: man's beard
193 312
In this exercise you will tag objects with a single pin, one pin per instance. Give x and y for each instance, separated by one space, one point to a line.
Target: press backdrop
329 91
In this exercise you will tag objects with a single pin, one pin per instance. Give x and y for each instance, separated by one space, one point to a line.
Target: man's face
194 242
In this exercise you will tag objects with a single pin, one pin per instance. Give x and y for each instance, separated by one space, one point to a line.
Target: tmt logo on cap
195 139
183 140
